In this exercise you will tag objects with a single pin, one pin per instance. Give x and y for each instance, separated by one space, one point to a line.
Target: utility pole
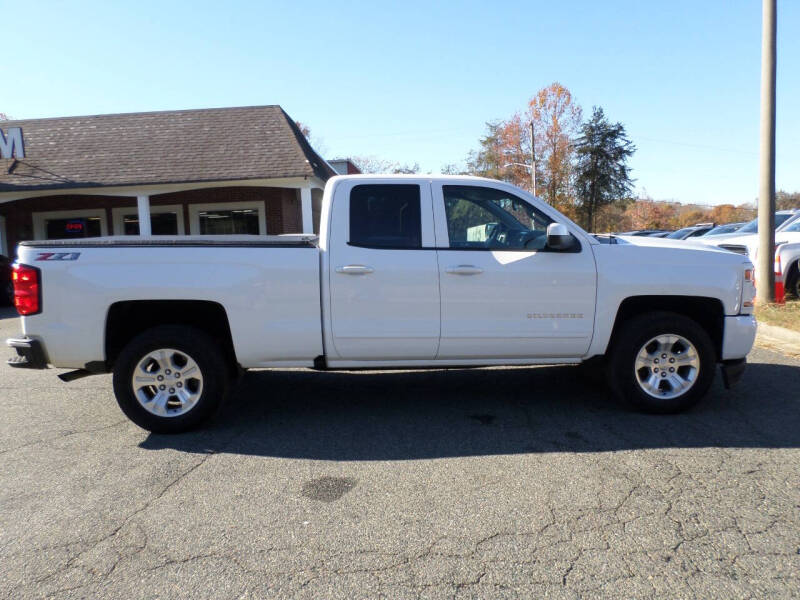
765 269
533 159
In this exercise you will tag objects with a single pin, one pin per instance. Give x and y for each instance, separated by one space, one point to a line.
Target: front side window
492 219
385 216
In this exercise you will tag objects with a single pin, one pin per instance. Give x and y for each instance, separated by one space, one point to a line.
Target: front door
383 274
504 294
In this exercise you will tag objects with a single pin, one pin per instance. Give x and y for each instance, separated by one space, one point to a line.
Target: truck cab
451 271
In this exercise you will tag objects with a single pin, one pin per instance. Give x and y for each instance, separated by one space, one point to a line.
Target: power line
701 146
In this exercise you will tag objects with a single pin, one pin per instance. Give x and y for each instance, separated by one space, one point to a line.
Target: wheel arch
127 319
707 312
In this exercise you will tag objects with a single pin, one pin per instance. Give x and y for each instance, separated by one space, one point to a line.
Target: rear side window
385 216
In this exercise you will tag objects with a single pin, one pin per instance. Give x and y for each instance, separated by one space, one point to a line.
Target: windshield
752 226
681 233
723 229
791 222
793 227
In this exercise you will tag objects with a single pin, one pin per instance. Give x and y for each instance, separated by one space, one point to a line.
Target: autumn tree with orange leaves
505 150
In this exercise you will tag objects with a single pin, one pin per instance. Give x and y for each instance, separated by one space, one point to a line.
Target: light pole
533 159
532 170
533 174
765 271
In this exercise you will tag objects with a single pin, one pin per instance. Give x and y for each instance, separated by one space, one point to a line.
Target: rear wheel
170 379
661 362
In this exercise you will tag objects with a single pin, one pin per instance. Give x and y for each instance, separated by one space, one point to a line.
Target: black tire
631 338
793 281
8 294
200 348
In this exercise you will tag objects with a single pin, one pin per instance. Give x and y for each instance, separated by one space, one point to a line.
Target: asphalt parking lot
485 483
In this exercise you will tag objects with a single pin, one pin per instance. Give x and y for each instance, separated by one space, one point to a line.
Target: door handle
464 270
355 270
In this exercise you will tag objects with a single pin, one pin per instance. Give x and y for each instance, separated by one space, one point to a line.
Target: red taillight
27 290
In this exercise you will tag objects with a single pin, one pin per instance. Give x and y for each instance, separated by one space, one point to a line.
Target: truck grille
735 248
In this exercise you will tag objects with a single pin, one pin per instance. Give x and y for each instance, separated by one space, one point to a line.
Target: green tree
490 159
602 175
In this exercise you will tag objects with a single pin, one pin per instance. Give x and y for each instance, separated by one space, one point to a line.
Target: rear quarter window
385 216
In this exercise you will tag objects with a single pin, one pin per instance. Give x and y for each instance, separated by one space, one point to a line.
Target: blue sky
416 81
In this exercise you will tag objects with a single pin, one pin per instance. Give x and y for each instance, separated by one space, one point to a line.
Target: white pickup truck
407 272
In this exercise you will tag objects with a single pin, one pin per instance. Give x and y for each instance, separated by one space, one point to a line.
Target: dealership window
228 218
236 220
164 220
67 224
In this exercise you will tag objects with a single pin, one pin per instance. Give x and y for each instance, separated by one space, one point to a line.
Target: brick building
212 171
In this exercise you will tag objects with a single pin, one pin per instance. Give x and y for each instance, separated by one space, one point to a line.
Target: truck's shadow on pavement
434 414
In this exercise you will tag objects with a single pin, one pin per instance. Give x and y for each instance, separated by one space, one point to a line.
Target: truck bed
267 285
161 241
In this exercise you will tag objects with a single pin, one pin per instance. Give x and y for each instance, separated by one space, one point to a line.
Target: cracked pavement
470 483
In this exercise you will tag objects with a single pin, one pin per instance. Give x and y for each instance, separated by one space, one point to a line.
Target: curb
785 339
779 333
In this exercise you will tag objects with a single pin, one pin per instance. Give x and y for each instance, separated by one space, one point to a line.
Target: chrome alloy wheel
667 366
167 382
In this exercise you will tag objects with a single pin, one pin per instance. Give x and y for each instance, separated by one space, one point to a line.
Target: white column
305 206
143 203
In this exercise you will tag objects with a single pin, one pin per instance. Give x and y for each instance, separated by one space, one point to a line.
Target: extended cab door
504 294
383 274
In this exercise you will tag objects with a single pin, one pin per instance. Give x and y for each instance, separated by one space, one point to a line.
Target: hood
788 237
688 245
747 240
750 240
724 238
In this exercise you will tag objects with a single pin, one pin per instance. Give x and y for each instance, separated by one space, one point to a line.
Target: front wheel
170 379
661 362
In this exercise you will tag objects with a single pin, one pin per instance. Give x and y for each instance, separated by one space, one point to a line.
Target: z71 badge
58 256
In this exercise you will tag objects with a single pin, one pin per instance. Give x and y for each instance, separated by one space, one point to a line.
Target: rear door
383 273
504 294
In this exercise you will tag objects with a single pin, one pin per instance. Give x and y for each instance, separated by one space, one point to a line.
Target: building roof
216 144
344 166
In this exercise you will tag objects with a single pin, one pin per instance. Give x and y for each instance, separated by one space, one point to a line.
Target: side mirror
559 237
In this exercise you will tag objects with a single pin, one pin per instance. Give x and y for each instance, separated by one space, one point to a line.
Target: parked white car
787 247
787 256
745 240
408 272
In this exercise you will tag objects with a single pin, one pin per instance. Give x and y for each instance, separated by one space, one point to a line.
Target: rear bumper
30 354
732 371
